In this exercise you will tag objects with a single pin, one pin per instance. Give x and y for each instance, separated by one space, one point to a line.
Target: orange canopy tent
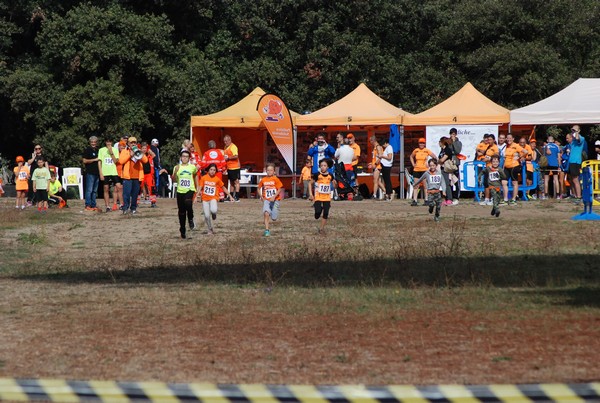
467 107
242 122
361 107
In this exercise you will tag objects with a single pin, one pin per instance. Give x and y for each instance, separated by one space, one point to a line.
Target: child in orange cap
21 182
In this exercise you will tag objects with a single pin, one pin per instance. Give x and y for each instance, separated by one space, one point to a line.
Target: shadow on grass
515 271
582 296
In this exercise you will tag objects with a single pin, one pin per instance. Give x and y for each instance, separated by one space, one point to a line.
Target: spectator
132 160
41 180
436 187
445 155
270 189
418 160
92 173
56 193
108 158
456 147
157 164
387 159
597 149
356 148
576 140
22 176
305 177
148 184
184 175
514 156
320 150
552 152
214 156
375 165
564 169
37 154
233 167
531 155
344 155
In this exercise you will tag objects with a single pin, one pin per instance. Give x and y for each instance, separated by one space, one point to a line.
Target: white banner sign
469 136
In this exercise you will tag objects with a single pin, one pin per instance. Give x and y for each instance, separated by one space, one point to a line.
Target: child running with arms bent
494 176
209 184
270 189
436 188
321 184
184 175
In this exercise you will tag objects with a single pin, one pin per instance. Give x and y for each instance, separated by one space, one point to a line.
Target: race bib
323 188
22 175
270 193
436 178
108 161
209 190
494 176
185 183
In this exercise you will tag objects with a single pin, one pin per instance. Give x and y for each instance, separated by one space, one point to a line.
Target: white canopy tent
578 103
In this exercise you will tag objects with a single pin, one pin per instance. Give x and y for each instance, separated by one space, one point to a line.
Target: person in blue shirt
551 151
576 141
319 151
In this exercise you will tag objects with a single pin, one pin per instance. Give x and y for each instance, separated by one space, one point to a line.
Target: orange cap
350 136
20 159
422 140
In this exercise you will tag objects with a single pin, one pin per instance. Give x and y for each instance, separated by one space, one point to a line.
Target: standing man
344 155
108 158
92 173
456 147
132 161
356 148
233 167
576 140
157 165
319 151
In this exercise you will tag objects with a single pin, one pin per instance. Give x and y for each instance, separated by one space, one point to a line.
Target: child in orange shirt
305 177
210 186
322 191
270 189
22 175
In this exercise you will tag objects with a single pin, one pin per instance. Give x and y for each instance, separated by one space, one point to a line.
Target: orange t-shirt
481 148
512 154
306 173
21 178
210 186
375 159
356 148
231 151
529 164
420 156
323 186
269 186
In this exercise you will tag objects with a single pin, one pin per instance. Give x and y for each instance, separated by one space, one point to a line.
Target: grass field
387 296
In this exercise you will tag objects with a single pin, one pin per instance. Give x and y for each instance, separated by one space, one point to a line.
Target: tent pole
402 194
294 159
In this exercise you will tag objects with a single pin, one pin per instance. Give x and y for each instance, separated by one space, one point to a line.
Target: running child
22 175
435 186
184 175
210 186
322 182
495 176
41 183
270 189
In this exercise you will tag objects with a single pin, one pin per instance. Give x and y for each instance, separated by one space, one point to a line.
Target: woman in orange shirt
210 186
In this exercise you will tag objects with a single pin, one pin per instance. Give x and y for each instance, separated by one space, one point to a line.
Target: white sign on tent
469 135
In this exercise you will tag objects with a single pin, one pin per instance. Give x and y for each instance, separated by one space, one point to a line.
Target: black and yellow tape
107 391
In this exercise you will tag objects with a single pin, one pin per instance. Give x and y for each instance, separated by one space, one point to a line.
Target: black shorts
111 180
41 195
513 173
233 174
549 168
529 176
574 170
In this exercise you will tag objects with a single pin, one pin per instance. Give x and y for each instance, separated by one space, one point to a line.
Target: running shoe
503 202
115 207
436 218
182 232
267 233
108 210
413 203
210 232
214 216
134 212
497 213
483 203
431 209
493 211
454 202
192 225
512 202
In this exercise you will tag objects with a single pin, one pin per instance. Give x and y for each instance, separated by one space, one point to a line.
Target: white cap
154 141
597 143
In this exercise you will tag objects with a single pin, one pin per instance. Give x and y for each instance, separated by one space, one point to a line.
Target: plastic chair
72 177
173 187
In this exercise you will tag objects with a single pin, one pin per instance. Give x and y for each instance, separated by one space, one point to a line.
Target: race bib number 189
436 179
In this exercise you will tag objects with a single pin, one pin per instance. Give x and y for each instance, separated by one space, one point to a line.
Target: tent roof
578 103
242 114
360 107
466 106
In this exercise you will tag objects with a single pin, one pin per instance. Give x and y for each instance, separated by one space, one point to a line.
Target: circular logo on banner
213 154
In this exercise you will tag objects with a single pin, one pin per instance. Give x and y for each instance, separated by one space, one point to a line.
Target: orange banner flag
277 119
532 135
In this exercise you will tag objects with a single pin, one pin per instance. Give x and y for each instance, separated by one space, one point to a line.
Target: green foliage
71 69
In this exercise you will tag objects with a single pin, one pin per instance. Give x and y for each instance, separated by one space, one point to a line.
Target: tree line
72 69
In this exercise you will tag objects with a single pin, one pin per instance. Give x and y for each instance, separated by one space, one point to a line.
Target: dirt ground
104 296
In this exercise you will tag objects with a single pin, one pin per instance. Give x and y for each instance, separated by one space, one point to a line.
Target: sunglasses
37 148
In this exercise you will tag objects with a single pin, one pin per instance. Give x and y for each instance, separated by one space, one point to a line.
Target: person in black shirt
92 173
